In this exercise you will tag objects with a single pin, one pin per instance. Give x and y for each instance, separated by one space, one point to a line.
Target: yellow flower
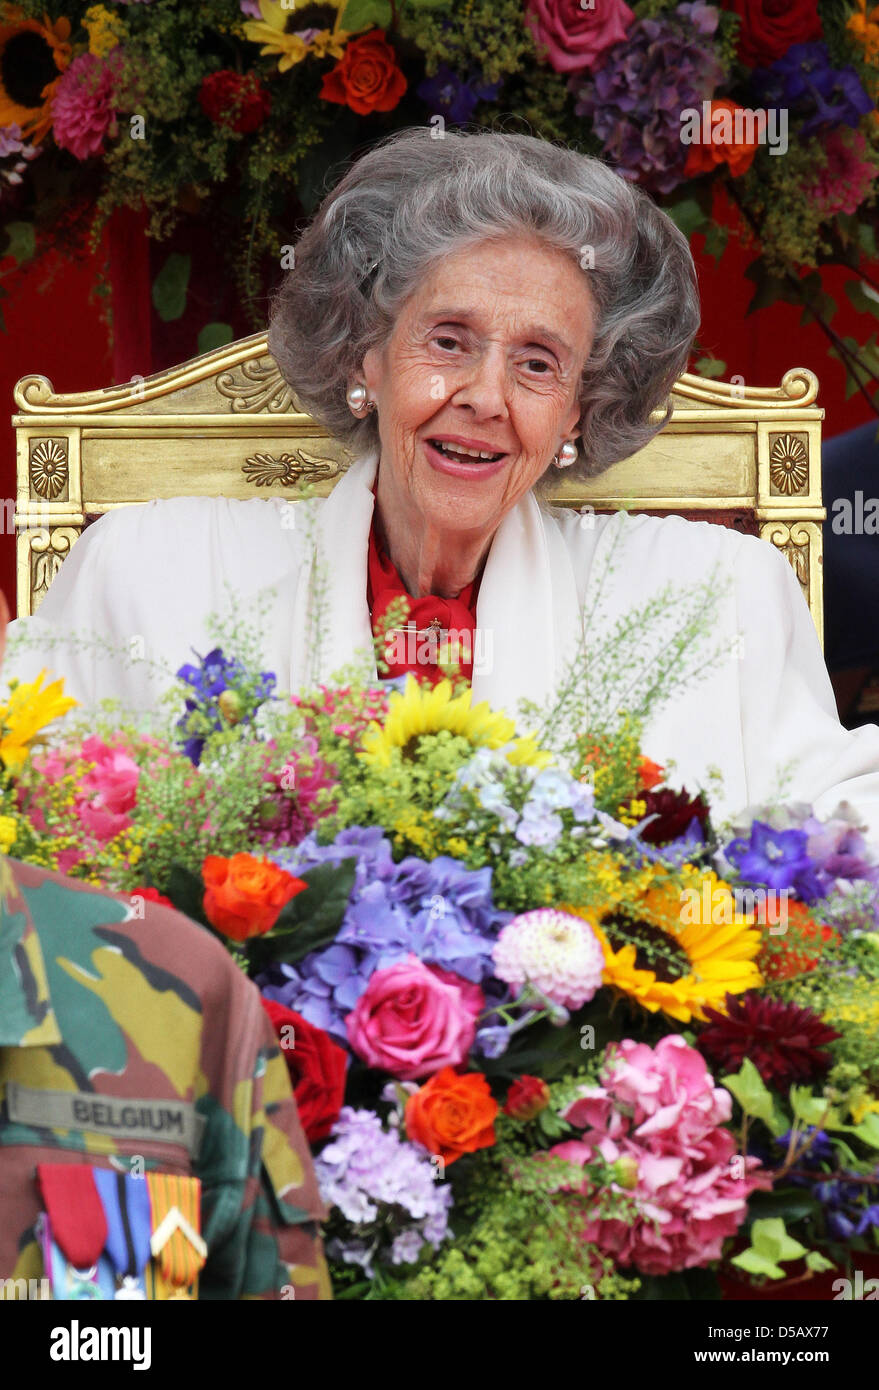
8 833
864 26
33 55
280 32
421 710
28 710
666 962
105 30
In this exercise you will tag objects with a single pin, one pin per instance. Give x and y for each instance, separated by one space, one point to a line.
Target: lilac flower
440 910
382 1186
635 98
455 96
804 81
12 145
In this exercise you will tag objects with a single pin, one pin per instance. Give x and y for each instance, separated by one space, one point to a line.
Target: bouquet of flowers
554 1033
741 113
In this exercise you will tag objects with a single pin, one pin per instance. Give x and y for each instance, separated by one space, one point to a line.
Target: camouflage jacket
124 1037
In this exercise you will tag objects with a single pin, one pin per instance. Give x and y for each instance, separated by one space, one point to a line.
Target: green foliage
771 1244
754 1097
170 286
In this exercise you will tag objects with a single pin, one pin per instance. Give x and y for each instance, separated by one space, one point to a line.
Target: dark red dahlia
235 100
674 810
785 1042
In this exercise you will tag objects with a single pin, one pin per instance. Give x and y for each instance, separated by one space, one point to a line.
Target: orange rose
244 895
367 78
738 154
452 1115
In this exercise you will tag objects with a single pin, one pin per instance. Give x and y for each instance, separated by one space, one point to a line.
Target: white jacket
146 577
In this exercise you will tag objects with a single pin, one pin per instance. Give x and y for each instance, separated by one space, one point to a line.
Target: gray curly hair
412 199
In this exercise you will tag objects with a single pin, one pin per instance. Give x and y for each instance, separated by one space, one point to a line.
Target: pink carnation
83 109
847 178
575 38
659 1106
413 1019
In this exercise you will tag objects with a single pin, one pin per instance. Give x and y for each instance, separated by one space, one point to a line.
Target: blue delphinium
775 859
216 675
805 82
454 96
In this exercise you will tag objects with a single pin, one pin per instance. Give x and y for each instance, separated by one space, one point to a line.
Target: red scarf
383 585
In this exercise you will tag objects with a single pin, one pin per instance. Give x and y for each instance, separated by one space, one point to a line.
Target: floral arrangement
553 1031
743 113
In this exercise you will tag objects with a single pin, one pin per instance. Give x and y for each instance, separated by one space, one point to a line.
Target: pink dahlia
554 951
84 106
293 800
847 178
658 1108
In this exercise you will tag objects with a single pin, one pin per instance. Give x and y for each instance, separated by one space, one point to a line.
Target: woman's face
486 355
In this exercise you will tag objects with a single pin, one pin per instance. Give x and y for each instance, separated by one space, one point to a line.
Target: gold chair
225 424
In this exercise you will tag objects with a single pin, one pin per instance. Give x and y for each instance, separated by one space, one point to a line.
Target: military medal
73 1232
177 1246
126 1203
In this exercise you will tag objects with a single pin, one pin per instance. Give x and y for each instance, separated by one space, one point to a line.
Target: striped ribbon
178 1261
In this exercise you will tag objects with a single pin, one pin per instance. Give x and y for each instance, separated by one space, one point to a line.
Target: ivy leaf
812 1110
22 241
863 297
170 286
716 238
710 366
215 335
770 1237
769 288
754 1097
868 1130
755 1263
688 215
818 1262
364 14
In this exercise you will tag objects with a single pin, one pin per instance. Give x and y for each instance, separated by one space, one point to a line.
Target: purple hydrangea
385 1191
440 910
635 98
456 97
805 82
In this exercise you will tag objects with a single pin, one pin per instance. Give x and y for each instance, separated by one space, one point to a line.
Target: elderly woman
471 315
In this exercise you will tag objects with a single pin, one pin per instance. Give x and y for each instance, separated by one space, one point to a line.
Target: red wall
54 326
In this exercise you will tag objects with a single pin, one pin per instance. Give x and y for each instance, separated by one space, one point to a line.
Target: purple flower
775 858
384 1188
18 151
635 98
456 96
216 675
251 8
441 911
804 81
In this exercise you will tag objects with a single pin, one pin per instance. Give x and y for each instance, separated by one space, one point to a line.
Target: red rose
230 99
316 1066
367 78
769 27
527 1096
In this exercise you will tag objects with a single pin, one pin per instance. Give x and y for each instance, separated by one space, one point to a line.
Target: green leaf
769 1238
867 239
792 1204
170 286
716 239
310 920
365 14
818 1262
864 298
186 891
755 1263
812 1110
22 241
688 215
753 1096
770 288
868 1130
710 366
215 335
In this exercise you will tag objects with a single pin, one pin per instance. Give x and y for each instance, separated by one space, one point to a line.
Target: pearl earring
566 454
357 399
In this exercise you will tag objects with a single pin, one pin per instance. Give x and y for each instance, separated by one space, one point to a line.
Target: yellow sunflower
294 31
665 961
422 710
28 710
33 55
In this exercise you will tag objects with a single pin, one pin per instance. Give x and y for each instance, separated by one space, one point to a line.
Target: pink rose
413 1019
575 37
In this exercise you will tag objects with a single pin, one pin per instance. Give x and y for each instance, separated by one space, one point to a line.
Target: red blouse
402 648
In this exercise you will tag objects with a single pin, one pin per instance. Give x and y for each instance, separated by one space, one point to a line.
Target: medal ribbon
126 1202
178 1258
79 1225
